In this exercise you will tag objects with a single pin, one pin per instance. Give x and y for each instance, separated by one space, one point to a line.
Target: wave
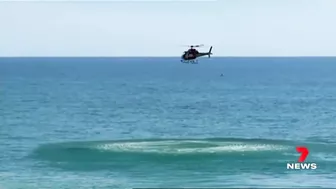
168 146
161 152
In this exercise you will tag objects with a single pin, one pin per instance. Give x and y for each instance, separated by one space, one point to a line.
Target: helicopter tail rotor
210 52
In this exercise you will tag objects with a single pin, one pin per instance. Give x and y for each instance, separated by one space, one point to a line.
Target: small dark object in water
222 75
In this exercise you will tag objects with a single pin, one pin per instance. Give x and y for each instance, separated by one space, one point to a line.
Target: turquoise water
154 122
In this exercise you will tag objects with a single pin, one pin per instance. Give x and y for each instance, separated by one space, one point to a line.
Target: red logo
301 165
304 153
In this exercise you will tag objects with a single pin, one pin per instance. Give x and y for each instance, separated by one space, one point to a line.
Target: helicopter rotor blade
201 45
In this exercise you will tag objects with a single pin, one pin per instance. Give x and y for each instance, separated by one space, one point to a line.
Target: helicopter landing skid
189 61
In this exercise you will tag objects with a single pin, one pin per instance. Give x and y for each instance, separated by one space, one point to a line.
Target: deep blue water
155 122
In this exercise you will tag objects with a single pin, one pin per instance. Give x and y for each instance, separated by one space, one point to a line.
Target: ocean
154 122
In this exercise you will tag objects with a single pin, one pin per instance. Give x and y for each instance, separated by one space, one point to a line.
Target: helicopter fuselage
193 54
189 56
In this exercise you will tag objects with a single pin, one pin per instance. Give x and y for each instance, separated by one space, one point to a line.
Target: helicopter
191 55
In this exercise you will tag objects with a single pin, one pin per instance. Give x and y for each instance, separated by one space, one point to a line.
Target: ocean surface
101 123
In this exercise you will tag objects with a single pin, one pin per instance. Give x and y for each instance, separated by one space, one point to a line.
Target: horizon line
334 56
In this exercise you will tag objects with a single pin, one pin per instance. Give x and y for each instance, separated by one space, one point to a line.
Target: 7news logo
301 161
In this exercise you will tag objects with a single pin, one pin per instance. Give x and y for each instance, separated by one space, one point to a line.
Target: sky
162 27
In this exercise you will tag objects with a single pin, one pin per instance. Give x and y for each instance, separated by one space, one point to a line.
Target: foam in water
192 146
